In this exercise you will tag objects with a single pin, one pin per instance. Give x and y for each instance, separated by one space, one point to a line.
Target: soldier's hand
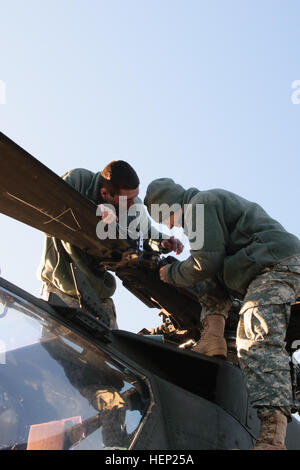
172 244
163 273
108 214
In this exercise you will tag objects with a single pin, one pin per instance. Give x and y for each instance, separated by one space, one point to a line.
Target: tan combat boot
212 341
272 432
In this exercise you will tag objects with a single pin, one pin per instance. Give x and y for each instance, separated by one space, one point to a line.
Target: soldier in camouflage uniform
265 316
248 255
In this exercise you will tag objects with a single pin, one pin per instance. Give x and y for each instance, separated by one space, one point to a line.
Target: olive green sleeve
206 261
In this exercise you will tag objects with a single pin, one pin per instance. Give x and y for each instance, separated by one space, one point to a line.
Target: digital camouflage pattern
213 298
264 318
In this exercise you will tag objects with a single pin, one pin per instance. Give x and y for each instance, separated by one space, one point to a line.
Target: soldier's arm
204 262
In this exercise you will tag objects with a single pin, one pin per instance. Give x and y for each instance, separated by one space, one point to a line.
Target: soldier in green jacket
240 251
117 179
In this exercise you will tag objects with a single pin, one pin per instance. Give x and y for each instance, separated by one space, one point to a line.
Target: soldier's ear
104 193
178 218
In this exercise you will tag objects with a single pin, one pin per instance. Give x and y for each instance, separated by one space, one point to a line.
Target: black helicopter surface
68 382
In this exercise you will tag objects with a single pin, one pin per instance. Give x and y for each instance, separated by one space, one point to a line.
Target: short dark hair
118 175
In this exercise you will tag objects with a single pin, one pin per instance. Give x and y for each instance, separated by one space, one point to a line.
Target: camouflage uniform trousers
264 318
213 298
108 303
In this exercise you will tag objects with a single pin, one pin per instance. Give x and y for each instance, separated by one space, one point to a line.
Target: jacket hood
163 190
166 191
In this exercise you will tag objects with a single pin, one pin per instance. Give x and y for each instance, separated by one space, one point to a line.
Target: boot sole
219 353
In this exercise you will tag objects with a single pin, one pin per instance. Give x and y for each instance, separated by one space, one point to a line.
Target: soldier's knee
261 323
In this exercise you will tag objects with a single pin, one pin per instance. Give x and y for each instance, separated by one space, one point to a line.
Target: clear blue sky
196 90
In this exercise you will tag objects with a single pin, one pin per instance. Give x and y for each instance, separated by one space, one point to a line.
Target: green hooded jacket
57 254
239 237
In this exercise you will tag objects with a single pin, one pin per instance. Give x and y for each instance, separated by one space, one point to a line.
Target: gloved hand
172 244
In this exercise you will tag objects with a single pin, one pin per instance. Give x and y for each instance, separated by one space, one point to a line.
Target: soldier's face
127 197
175 220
